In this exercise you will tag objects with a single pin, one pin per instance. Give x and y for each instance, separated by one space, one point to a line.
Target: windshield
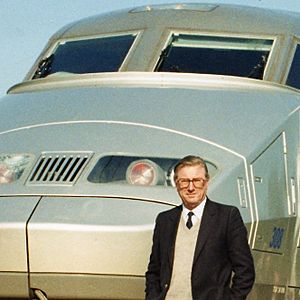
293 77
93 55
245 57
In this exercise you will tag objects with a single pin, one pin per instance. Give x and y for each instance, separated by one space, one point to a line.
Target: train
90 137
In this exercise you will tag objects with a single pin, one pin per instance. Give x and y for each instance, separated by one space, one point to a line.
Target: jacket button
166 286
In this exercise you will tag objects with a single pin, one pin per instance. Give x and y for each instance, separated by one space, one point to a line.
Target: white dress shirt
198 212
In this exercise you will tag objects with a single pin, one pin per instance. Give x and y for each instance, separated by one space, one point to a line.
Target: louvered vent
58 168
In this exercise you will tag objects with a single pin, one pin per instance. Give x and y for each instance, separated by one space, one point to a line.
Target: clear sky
26 26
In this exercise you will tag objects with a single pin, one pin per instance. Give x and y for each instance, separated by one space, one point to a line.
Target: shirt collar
198 211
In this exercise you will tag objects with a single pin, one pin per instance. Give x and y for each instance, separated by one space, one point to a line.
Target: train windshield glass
92 55
244 57
293 77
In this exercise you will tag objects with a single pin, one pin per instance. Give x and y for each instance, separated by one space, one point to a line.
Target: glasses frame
184 183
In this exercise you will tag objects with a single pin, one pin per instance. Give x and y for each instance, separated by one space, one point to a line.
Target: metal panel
81 235
14 214
90 236
294 293
242 192
90 286
269 177
14 285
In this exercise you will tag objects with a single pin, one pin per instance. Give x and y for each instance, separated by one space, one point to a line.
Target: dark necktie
189 222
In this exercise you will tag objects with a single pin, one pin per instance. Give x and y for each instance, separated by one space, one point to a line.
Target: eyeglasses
183 183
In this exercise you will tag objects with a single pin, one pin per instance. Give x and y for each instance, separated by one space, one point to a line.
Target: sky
26 26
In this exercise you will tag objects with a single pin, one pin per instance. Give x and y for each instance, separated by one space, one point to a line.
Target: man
200 249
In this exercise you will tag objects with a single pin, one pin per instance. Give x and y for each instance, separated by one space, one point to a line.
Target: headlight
12 166
145 172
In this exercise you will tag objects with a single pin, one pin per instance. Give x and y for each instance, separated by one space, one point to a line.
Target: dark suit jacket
221 251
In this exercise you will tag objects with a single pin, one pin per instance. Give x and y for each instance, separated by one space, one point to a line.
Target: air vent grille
58 168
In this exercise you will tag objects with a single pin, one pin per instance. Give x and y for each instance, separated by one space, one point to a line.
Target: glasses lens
183 183
198 182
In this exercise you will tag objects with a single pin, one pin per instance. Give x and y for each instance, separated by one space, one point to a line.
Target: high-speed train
89 139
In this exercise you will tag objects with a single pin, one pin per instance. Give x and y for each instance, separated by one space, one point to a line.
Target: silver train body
90 137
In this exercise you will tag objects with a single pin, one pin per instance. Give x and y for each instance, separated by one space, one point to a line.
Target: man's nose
191 186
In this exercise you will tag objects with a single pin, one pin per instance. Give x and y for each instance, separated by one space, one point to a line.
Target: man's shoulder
170 212
220 206
223 212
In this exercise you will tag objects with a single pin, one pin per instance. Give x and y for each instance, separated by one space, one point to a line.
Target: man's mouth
191 195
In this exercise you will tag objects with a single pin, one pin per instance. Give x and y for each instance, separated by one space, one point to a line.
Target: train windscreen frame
88 55
218 55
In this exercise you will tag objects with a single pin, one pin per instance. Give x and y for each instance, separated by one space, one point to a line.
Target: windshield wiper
44 67
164 60
258 70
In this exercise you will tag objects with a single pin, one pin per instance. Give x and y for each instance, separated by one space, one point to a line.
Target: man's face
191 185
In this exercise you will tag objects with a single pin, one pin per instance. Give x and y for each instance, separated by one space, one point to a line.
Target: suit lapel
205 227
172 228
